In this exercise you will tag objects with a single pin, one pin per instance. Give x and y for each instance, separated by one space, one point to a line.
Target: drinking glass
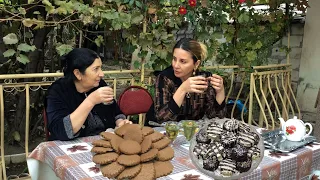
189 129
111 102
203 74
172 130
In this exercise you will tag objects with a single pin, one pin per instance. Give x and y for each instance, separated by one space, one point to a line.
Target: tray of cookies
226 149
132 152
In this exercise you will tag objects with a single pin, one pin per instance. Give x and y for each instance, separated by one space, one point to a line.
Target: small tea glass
172 130
190 127
110 102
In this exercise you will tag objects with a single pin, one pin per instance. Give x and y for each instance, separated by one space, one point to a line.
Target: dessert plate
216 174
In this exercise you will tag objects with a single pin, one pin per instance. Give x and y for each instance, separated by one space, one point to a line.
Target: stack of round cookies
132 152
227 148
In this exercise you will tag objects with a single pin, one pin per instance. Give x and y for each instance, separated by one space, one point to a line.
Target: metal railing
269 93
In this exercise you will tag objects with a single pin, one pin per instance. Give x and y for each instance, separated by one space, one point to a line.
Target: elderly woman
81 104
181 93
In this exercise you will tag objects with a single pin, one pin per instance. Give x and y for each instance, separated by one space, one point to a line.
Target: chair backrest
45 122
135 100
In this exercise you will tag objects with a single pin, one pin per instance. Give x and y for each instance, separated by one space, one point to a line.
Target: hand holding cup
102 95
216 82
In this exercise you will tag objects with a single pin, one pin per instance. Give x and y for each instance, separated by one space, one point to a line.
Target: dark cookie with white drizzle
254 152
227 167
216 149
243 127
228 139
244 166
247 139
231 125
200 150
239 153
214 130
202 137
211 163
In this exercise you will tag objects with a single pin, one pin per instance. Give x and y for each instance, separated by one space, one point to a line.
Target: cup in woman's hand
108 102
206 79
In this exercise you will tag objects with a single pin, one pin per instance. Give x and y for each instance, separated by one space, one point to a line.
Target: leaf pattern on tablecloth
191 177
76 148
314 177
277 154
313 144
306 163
186 161
272 174
95 169
61 164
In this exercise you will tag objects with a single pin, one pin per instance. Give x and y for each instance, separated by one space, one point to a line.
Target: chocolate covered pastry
239 153
244 166
231 125
202 137
214 131
227 167
254 152
228 139
211 163
246 139
200 150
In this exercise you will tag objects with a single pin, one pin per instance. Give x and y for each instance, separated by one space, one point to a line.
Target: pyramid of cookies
132 152
228 148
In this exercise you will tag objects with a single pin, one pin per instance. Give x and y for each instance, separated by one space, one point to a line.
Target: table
53 157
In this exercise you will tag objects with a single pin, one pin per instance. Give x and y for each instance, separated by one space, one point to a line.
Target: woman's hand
121 122
101 95
217 83
197 84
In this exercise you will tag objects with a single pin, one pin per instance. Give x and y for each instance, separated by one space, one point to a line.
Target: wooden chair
135 100
45 122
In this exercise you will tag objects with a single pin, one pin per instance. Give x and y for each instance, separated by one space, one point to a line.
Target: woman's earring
194 72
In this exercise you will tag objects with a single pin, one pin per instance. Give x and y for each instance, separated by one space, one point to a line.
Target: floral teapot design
295 129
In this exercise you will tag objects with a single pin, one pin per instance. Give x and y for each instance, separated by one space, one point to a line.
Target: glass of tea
172 130
189 129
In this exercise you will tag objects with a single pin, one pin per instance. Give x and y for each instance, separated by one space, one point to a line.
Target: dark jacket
63 99
193 108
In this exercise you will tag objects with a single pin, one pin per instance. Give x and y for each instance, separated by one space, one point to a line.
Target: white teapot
295 129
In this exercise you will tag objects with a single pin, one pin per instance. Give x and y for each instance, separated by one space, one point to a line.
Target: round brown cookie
101 150
112 170
105 158
147 172
146 145
107 135
147 130
134 133
121 130
130 172
166 154
150 155
101 143
161 143
163 168
128 160
115 143
130 147
156 136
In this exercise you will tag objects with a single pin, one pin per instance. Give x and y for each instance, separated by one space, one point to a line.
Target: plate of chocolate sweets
226 149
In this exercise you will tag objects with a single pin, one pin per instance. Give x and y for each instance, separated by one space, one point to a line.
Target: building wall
309 82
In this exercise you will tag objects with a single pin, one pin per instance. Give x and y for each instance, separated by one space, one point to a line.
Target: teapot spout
282 123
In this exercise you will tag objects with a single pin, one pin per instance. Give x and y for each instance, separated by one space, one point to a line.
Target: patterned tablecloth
73 160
